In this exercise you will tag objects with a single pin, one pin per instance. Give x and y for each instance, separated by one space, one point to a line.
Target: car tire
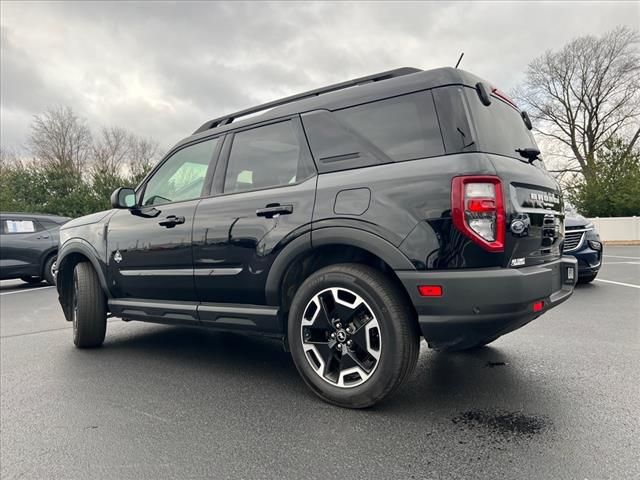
587 278
88 307
31 280
47 271
360 305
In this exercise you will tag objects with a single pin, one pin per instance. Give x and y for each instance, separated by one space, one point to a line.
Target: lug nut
338 325
349 343
349 330
333 335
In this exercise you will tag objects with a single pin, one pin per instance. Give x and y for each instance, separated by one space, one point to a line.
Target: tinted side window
49 224
265 157
182 176
404 128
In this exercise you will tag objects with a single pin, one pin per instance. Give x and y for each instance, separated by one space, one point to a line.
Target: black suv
348 221
28 246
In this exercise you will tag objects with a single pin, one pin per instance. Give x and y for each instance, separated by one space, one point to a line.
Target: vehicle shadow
443 384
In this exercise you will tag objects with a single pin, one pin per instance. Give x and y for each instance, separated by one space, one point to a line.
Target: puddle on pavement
503 423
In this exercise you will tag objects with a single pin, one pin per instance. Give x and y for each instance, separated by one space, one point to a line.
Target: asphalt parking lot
559 398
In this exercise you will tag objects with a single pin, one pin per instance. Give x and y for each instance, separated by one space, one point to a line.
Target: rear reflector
538 306
430 290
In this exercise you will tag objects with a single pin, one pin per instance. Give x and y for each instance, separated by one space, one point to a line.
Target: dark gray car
29 246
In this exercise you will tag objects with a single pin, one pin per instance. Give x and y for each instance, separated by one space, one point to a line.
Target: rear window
470 126
403 128
499 126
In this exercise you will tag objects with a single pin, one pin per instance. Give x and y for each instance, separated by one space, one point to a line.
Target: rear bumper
478 305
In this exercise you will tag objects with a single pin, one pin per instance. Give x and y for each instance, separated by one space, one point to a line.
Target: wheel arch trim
84 248
327 236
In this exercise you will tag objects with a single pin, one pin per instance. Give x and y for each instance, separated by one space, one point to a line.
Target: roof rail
227 119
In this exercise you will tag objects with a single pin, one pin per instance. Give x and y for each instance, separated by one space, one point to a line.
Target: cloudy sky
161 69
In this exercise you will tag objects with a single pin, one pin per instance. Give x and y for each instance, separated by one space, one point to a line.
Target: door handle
274 209
171 221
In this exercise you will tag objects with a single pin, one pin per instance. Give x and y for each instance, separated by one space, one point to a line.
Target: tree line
69 170
584 99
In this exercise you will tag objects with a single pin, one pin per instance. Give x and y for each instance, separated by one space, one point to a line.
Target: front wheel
352 335
49 273
88 308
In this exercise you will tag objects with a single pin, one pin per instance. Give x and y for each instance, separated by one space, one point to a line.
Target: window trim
213 161
217 189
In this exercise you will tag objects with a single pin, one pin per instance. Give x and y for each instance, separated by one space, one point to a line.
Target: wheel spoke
359 337
351 360
323 320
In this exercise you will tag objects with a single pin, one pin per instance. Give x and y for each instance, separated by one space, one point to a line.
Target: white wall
618 228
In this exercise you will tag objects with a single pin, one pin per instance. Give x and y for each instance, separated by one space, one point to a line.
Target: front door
149 252
264 199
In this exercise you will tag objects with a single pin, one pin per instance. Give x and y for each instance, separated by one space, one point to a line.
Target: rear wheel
88 307
352 336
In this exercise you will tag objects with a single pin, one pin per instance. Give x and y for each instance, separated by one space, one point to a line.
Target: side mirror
123 197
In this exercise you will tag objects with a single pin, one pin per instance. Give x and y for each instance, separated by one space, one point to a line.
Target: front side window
182 176
264 157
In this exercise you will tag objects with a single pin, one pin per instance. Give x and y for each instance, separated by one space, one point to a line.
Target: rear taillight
477 210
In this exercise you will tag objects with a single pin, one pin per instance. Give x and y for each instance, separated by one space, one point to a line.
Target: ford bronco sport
348 221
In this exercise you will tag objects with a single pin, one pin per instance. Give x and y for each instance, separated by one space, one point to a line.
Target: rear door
22 242
149 252
262 198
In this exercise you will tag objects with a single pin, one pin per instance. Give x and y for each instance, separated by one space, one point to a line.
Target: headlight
595 245
589 226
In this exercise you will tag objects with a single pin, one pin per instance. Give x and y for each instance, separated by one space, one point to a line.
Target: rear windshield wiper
530 154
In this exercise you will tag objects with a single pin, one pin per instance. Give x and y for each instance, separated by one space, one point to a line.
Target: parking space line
617 283
620 256
622 263
27 290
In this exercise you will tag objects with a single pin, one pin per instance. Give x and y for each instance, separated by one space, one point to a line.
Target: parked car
582 241
348 221
29 246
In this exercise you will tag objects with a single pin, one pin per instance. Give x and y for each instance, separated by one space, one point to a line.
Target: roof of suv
353 92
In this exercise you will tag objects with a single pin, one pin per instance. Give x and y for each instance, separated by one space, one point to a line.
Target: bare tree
142 157
586 94
60 139
111 150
